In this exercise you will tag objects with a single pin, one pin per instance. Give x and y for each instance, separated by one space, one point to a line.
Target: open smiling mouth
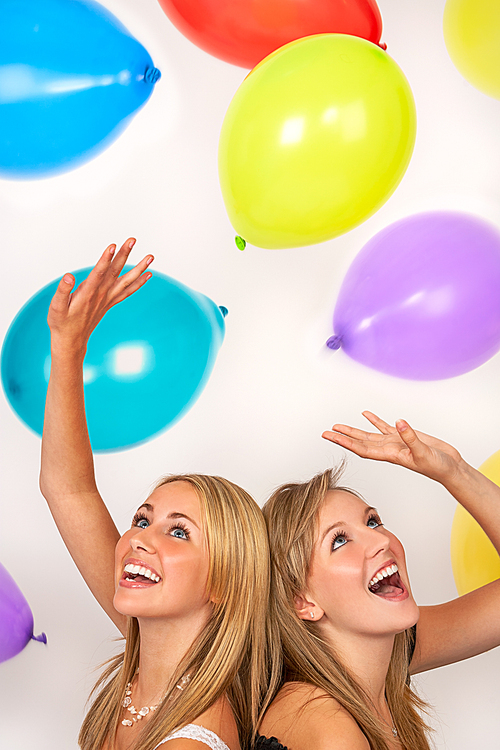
139 575
387 584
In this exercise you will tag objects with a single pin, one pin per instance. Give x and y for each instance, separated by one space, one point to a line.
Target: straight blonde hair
232 655
291 515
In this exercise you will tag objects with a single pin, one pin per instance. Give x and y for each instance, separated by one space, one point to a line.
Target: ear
307 610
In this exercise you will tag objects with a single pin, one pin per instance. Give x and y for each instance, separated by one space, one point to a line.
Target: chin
124 606
409 617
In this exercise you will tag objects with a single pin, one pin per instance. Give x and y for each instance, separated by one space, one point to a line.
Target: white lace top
199 733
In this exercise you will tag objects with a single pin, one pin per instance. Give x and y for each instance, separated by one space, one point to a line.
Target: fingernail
401 425
67 278
112 249
131 244
150 259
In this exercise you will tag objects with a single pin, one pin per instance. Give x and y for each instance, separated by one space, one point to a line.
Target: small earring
312 615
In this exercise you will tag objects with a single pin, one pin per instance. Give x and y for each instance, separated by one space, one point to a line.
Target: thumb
409 437
61 299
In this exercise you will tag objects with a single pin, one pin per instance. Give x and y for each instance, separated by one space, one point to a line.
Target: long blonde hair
291 515
231 656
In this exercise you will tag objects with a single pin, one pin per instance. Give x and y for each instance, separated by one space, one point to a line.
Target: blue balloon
146 364
71 78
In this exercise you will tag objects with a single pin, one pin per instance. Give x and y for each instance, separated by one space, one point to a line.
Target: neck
164 644
367 658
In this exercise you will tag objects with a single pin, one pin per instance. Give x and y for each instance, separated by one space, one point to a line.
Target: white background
275 387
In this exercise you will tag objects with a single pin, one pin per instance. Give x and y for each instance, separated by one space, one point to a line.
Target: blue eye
180 533
373 522
140 521
339 541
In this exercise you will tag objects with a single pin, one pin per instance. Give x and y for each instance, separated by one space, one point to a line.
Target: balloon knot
382 45
152 75
223 310
334 342
240 242
42 638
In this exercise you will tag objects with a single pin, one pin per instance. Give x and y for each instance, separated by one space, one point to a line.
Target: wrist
67 352
463 476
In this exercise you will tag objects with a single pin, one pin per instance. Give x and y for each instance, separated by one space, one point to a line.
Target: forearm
67 481
479 496
67 466
67 478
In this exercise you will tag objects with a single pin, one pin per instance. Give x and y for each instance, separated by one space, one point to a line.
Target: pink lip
123 582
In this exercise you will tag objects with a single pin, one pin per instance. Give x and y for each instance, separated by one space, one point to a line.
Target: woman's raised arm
67 478
470 624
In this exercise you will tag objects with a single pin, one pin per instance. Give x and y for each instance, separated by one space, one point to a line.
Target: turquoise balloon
147 361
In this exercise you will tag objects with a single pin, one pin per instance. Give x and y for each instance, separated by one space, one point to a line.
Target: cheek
336 578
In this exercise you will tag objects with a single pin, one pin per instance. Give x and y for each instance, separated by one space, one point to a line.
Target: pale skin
170 539
446 633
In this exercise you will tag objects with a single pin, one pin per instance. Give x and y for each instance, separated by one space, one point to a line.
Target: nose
141 541
377 541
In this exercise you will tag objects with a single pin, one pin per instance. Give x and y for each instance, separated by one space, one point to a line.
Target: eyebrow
343 523
173 515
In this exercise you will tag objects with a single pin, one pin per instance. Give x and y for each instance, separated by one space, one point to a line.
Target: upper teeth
383 574
142 571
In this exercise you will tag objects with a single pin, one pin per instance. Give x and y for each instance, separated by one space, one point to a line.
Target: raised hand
400 445
73 315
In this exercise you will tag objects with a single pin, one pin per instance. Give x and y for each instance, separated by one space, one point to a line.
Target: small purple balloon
422 298
16 619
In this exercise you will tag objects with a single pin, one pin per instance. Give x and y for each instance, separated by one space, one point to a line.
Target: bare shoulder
303 716
219 719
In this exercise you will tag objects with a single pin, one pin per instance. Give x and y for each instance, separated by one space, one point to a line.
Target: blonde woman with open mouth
187 585
351 632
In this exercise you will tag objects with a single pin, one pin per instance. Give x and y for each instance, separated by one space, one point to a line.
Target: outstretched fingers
380 424
122 257
355 433
133 279
361 447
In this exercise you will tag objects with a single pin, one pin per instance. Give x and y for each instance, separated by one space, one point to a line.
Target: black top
271 743
268 743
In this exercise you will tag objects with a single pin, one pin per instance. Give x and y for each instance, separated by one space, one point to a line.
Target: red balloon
243 32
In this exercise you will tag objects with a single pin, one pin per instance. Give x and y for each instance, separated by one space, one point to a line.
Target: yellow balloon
315 140
474 560
472 35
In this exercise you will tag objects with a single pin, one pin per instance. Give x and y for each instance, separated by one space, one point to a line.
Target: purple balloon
16 619
422 298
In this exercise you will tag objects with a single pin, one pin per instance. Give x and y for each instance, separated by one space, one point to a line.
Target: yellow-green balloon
315 140
472 35
474 560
